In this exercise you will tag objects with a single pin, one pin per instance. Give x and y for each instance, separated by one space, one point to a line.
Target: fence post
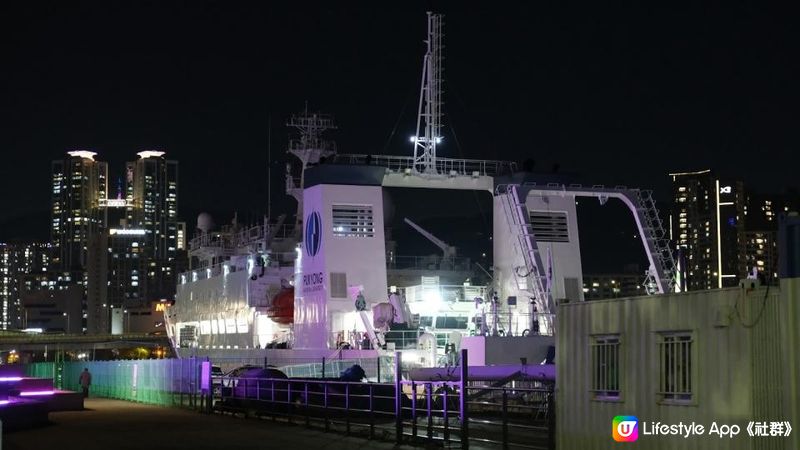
551 421
429 401
325 404
462 401
346 408
445 416
323 367
289 402
505 419
398 404
413 411
308 421
371 414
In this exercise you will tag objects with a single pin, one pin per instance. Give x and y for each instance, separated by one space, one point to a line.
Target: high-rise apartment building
122 251
79 189
152 196
22 268
707 227
79 185
762 211
152 190
8 285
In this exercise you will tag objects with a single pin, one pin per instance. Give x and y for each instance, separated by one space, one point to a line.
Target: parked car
216 380
228 380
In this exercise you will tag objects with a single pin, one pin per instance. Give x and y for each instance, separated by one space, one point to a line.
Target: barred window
605 366
675 375
353 221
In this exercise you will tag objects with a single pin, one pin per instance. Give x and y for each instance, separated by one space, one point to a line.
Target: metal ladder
534 279
657 241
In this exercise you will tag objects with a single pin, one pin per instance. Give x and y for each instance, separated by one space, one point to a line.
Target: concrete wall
736 360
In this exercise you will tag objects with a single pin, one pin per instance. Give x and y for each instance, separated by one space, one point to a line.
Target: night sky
618 94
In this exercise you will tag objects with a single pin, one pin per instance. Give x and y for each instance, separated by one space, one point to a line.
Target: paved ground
113 424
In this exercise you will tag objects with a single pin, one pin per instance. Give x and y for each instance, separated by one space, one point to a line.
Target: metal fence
377 369
164 382
515 414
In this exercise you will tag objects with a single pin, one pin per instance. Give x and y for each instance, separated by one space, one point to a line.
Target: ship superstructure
332 270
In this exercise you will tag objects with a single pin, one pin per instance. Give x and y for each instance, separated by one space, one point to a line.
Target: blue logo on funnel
313 237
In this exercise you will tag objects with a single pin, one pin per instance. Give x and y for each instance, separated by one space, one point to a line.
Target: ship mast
429 135
310 147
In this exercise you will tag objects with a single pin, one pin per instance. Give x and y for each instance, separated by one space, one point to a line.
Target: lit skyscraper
79 185
8 285
22 268
152 198
707 226
762 211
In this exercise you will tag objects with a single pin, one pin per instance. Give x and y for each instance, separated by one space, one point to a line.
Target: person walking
85 380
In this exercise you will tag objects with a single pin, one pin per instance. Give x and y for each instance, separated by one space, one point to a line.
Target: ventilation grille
549 226
338 285
353 221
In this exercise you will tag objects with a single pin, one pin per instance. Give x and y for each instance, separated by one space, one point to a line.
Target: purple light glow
32 393
10 379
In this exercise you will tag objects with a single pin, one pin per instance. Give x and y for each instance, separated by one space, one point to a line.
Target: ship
329 284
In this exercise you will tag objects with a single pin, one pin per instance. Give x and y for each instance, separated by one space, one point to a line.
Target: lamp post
67 330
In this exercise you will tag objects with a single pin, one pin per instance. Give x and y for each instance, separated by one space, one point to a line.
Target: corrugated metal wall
736 367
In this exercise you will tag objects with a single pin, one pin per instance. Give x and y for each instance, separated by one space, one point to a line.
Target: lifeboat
282 307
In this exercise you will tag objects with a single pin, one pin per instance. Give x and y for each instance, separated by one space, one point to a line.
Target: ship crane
448 250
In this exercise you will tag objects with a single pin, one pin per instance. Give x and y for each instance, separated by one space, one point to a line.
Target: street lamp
67 330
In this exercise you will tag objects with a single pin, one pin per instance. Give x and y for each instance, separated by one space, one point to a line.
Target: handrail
444 166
